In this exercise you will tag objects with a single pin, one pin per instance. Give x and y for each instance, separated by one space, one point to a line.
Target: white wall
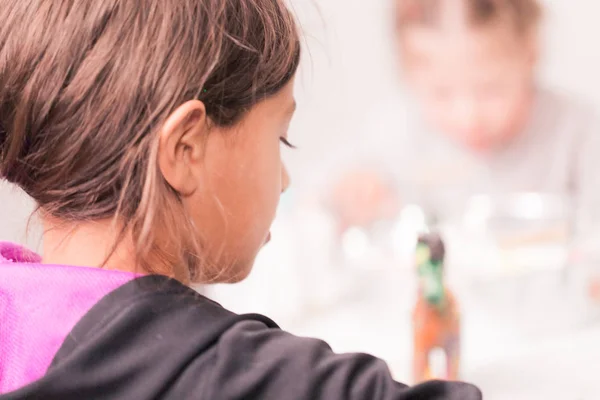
348 66
572 57
16 208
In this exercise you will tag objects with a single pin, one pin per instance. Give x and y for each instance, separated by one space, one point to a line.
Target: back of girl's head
85 85
522 15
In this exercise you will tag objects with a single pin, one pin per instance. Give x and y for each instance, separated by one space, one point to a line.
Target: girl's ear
181 146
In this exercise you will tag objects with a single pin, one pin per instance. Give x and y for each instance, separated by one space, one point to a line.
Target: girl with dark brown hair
148 132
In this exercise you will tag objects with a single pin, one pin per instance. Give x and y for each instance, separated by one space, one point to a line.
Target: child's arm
255 362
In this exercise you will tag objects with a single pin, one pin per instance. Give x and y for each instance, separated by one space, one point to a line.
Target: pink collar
39 305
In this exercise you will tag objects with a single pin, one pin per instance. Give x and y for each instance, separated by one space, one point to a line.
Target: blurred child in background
477 120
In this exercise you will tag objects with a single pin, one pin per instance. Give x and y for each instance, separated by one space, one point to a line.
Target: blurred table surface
507 359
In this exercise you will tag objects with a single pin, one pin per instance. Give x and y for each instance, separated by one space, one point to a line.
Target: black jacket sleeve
254 362
154 338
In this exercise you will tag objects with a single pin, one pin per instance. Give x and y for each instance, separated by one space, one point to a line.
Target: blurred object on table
518 232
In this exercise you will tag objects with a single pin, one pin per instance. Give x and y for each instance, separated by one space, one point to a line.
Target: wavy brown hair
85 86
523 14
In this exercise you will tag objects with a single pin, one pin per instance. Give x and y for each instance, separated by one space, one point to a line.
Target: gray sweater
558 153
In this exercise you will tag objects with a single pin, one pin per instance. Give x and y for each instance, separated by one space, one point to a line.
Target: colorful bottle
435 317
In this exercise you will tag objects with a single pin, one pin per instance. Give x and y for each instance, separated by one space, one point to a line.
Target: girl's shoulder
150 337
156 338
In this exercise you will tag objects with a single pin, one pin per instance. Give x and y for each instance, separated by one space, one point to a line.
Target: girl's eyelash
287 143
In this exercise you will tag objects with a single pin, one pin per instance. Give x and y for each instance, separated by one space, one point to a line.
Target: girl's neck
89 244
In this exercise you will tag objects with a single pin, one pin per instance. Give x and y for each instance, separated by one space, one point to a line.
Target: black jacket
154 338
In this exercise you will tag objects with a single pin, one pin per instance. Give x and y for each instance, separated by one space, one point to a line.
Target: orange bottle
435 317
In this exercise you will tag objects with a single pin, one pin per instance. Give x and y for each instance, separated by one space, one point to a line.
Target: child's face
242 178
473 84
